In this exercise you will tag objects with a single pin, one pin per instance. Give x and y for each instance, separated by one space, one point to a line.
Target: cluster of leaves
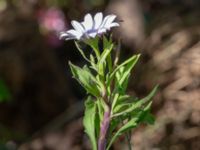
106 82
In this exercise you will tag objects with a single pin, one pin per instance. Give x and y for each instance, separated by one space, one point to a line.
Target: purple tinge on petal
91 33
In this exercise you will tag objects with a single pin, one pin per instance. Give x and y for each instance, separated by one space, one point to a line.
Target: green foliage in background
4 92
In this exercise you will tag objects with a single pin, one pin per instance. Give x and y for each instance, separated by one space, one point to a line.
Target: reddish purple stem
103 131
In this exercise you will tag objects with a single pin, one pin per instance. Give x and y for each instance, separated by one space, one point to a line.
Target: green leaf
114 101
139 116
123 70
123 103
106 44
129 125
85 78
145 115
4 92
139 103
99 116
93 63
134 58
123 74
113 125
100 109
102 61
121 87
122 107
94 44
92 59
149 118
89 121
81 51
120 103
109 61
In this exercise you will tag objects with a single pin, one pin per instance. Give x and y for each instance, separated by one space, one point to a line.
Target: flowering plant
109 111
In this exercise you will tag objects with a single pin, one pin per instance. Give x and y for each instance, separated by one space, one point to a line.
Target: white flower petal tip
63 35
90 27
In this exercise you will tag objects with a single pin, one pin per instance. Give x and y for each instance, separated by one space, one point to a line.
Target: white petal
114 24
98 20
77 26
75 33
108 22
70 38
67 36
88 22
93 34
102 30
63 35
104 21
107 18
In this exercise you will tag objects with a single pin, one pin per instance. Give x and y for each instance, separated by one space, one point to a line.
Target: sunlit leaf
85 78
123 70
105 54
106 45
139 103
129 125
89 121
138 117
124 73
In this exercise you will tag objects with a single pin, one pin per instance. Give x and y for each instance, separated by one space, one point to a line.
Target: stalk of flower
109 111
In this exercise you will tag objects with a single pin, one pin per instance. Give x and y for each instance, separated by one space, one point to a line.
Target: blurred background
41 106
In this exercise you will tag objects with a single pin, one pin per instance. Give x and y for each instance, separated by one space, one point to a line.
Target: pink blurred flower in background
51 22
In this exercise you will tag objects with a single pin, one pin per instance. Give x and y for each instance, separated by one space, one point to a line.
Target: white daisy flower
90 27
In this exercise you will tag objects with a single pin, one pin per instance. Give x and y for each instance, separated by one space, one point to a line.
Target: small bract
90 27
